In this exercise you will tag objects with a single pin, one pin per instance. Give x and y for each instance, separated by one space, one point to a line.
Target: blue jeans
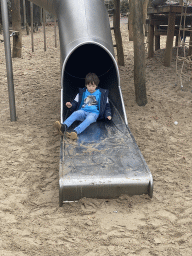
87 118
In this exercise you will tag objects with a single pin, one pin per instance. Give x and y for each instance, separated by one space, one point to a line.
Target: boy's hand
68 104
109 117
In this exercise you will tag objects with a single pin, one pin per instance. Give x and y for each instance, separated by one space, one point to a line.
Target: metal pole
4 11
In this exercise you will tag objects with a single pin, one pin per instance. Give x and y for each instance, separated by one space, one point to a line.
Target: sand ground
32 223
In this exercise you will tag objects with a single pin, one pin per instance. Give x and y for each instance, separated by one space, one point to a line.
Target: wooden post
55 29
27 28
16 23
41 15
32 41
117 32
170 36
44 31
139 53
130 21
157 40
24 14
151 40
190 43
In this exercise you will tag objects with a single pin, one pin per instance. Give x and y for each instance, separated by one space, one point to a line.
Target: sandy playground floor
32 223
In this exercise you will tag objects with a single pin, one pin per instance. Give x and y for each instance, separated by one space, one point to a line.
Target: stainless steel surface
86 46
83 21
105 161
79 21
4 11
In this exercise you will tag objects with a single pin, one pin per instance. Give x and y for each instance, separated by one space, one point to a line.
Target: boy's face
91 87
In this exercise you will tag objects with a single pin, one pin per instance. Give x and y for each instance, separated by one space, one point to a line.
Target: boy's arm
75 103
107 109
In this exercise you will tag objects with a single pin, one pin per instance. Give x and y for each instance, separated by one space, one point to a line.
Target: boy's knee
80 113
92 118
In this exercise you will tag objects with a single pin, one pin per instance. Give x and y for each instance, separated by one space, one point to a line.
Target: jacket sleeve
107 109
75 103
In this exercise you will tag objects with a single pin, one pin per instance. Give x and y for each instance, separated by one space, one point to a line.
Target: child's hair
92 78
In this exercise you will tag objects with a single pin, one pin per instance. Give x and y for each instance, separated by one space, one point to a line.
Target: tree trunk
117 32
16 24
130 21
139 53
145 5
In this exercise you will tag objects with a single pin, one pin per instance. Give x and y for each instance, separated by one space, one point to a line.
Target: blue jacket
104 108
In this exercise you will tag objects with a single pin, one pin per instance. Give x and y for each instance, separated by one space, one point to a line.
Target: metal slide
105 161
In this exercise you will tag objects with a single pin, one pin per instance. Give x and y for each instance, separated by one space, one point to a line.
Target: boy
90 104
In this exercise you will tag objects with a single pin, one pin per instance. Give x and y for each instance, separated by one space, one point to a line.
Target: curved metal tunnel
90 57
86 46
116 166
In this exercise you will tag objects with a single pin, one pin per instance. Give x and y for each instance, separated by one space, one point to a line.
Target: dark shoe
71 135
61 128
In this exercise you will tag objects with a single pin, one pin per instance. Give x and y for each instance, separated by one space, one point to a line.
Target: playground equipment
105 161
